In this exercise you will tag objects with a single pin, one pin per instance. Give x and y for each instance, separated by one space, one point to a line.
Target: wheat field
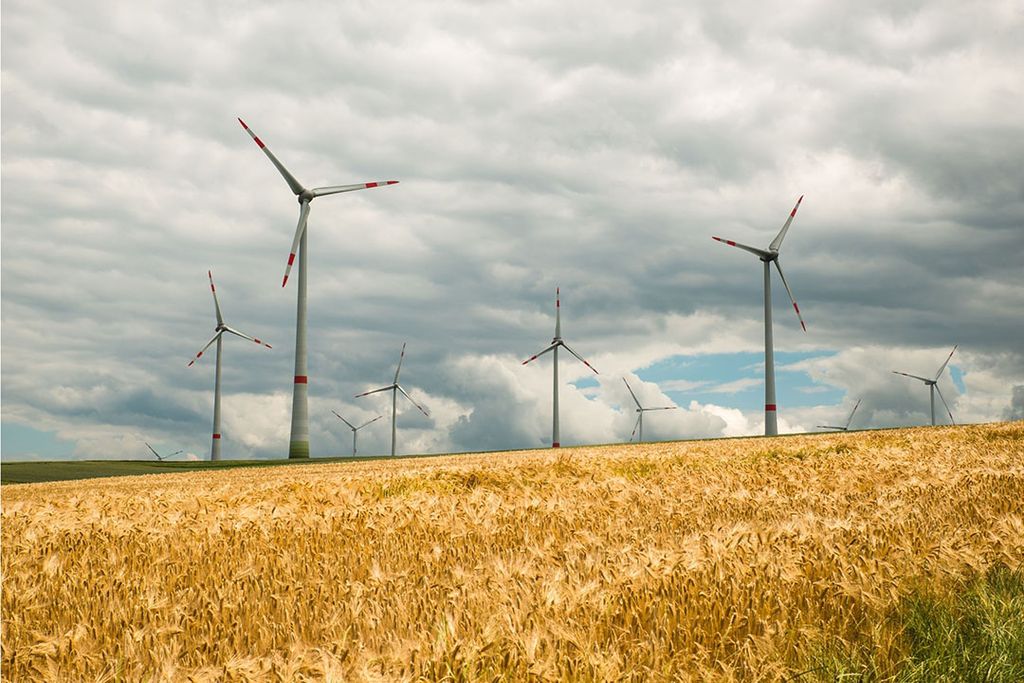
712 560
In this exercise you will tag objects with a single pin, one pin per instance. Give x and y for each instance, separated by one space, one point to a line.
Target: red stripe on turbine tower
769 406
216 436
301 379
555 444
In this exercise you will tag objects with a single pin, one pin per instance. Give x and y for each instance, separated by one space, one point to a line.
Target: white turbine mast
298 446
218 337
640 410
848 420
355 429
933 386
395 388
769 256
159 457
555 343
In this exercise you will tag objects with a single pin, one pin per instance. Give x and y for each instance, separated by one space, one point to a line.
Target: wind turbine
555 343
933 387
218 337
161 457
769 256
356 429
640 413
394 388
298 446
848 420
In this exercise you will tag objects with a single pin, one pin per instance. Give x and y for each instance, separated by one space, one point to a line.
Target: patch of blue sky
18 442
736 380
958 378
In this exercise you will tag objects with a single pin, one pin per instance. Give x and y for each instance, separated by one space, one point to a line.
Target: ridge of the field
823 557
39 471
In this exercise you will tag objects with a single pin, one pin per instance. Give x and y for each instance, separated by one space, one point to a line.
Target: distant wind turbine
555 343
218 337
354 428
640 414
769 256
848 420
933 386
298 446
394 388
159 457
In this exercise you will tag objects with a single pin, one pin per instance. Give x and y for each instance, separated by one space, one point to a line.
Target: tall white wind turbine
769 256
355 429
298 446
933 386
394 388
846 427
218 337
555 343
640 410
159 457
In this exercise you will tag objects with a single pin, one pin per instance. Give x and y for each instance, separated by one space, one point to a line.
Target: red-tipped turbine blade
790 292
294 184
539 354
202 350
581 359
777 242
299 229
745 247
216 304
336 189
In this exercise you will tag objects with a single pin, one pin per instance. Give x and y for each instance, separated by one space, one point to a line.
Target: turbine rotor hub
305 197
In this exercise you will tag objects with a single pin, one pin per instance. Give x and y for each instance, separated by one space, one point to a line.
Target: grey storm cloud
592 146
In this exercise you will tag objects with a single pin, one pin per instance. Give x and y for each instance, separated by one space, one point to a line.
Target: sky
592 146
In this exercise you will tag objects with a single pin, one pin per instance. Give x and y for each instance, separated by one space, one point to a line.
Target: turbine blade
665 408
906 374
777 242
400 359
294 184
216 304
841 429
632 394
635 427
538 355
202 350
152 449
370 422
245 336
336 189
174 453
558 312
581 359
850 419
753 250
350 425
422 409
367 393
950 412
790 292
299 229
939 373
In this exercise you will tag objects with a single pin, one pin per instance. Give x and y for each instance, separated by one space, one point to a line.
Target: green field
60 470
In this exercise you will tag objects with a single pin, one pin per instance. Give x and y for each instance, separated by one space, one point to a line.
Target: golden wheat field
713 560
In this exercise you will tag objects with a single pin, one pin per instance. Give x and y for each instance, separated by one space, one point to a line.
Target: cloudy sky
594 146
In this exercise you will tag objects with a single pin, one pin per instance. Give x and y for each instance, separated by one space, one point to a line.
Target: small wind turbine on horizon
848 420
394 388
298 446
555 343
218 337
769 256
354 428
640 414
933 386
159 457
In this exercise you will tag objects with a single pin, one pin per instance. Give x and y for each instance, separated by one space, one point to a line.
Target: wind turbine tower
555 343
933 387
298 446
640 410
768 257
219 338
395 388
